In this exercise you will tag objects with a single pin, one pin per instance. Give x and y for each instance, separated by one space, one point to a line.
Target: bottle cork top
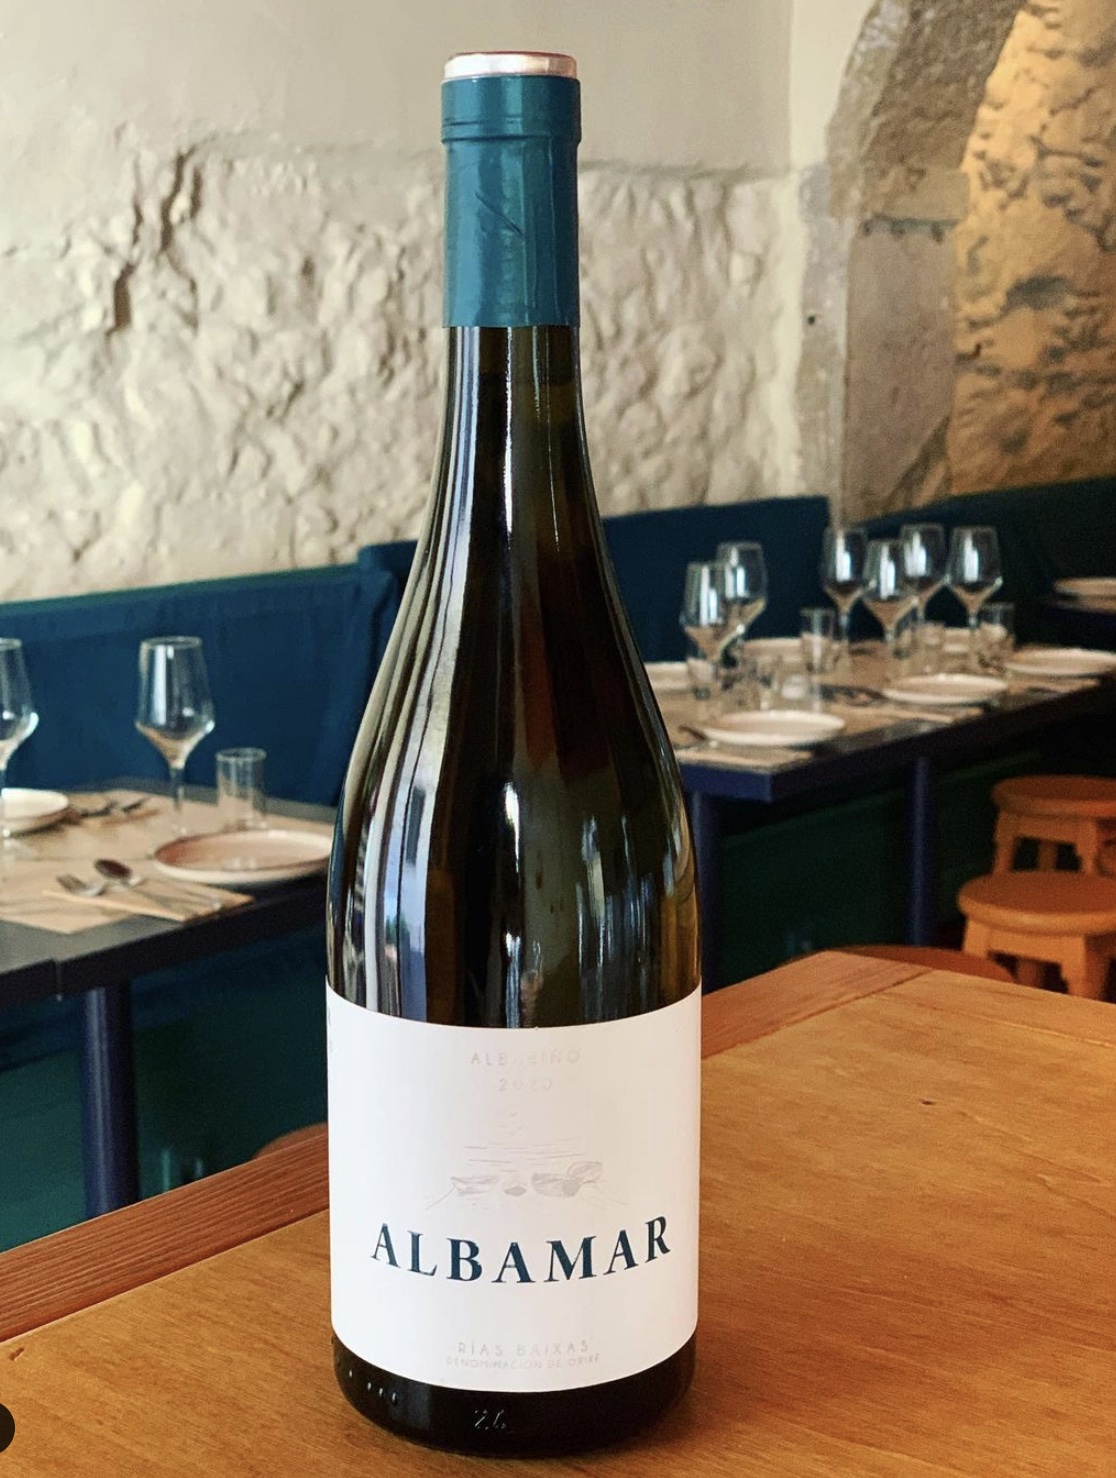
509 64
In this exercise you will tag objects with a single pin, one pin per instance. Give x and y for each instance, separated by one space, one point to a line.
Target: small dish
33 810
945 689
244 859
777 728
668 677
1061 662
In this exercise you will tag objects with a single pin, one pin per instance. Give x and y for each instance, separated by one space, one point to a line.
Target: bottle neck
511 232
514 432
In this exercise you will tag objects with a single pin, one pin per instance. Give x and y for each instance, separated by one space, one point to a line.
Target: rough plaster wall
1035 397
235 363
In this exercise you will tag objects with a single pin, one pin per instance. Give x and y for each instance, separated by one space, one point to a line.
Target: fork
132 901
79 887
111 807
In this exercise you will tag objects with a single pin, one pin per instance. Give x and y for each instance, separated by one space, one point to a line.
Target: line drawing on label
501 1169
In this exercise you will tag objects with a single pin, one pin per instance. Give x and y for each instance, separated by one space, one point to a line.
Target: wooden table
908 1267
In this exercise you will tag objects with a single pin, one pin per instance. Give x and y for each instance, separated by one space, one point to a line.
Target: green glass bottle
514 1001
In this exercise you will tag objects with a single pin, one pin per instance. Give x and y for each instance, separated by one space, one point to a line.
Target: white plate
1101 588
1061 662
242 859
668 677
33 810
775 729
946 689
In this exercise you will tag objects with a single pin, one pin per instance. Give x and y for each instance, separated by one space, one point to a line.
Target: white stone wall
234 364
220 261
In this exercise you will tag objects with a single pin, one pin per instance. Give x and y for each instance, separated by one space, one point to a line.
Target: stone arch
884 250
1035 303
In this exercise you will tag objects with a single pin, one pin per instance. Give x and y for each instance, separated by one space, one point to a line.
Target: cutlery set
111 807
121 889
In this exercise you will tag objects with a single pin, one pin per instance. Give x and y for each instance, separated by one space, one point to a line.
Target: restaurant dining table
908 1238
96 966
912 749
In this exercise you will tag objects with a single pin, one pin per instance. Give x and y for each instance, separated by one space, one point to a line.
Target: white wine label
514 1210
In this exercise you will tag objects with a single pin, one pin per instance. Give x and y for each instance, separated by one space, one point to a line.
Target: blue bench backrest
1046 533
650 551
291 657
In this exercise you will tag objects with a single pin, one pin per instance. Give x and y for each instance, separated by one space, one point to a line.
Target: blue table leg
922 826
108 1099
705 824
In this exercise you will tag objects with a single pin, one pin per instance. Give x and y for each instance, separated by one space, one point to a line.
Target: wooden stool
1066 919
933 959
1078 809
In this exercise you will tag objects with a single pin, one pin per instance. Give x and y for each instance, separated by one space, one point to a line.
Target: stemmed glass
973 572
704 616
887 589
924 555
744 574
174 709
18 718
842 574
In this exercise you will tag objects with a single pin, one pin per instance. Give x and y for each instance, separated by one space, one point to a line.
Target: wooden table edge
52 1277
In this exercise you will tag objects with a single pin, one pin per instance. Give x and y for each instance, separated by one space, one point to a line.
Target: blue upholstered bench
291 657
229 1052
1047 533
650 551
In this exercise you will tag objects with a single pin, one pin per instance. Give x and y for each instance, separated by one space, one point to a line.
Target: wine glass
18 718
842 574
744 573
705 615
174 709
973 573
887 589
924 554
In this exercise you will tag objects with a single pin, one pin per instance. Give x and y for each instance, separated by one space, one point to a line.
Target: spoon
117 872
127 877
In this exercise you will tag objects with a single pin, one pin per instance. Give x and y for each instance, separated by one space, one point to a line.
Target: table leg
108 1099
922 826
705 824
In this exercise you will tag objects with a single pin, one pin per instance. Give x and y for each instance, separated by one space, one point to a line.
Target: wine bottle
513 1003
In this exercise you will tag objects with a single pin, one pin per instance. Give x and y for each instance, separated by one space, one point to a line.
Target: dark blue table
911 750
97 967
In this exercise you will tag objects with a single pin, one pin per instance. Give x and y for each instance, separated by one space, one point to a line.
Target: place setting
77 861
771 702
744 703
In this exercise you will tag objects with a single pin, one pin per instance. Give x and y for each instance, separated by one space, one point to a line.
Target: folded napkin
1050 684
861 717
740 757
154 900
